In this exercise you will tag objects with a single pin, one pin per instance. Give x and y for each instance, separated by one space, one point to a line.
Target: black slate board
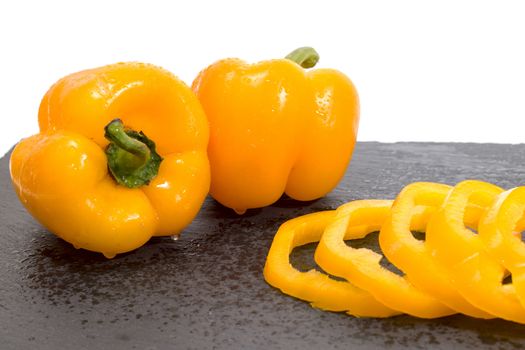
206 290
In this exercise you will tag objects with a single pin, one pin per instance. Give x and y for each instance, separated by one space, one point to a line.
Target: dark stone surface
206 290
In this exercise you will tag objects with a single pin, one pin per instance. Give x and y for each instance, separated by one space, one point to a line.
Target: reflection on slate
206 290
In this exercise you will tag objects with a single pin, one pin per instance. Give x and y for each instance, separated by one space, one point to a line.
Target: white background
425 70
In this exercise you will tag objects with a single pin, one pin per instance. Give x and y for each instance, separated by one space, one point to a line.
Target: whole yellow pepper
276 128
97 181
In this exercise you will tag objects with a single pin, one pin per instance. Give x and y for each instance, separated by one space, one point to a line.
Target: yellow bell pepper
473 272
412 255
319 289
362 266
276 128
61 174
497 229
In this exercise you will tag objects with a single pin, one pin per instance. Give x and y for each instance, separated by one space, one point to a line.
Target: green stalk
306 57
132 159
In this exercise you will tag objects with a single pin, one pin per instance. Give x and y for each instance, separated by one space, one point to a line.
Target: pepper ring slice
497 230
362 266
319 289
474 273
412 256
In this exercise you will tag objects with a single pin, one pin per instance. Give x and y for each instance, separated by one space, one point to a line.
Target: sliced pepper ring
319 289
362 266
474 273
497 230
402 249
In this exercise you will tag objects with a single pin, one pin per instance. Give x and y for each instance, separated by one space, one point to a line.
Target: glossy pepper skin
61 174
276 128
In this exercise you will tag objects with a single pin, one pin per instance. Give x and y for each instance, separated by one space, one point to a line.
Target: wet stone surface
206 290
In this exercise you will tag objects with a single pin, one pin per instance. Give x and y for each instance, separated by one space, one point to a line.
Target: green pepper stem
132 159
115 133
306 57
